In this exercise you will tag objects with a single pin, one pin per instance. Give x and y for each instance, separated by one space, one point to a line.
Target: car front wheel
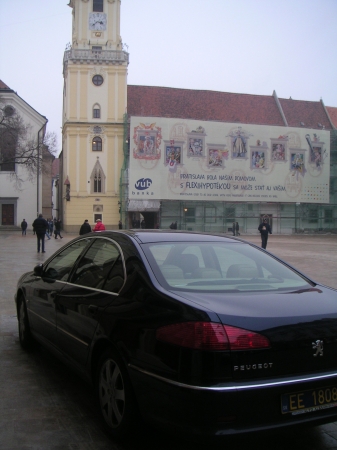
115 395
24 328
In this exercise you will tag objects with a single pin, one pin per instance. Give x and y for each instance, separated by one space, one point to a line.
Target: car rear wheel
25 336
115 395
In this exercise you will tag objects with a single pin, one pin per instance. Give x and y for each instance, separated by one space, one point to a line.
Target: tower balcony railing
90 56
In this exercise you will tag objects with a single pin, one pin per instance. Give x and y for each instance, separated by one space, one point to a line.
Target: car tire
115 395
25 336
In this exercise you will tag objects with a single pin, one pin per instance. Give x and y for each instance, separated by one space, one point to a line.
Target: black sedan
207 334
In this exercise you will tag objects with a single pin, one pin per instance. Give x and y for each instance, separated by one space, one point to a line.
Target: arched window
97 5
97 179
98 182
96 112
97 144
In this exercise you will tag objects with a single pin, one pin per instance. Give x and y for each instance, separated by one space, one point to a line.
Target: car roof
147 236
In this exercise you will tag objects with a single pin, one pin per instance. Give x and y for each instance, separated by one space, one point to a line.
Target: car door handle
93 308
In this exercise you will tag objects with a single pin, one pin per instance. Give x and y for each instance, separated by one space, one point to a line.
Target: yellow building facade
94 104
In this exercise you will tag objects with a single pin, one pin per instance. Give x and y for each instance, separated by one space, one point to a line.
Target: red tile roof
333 114
3 85
223 106
311 114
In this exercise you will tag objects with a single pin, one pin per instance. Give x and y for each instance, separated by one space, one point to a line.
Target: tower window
97 144
97 113
97 80
98 182
97 5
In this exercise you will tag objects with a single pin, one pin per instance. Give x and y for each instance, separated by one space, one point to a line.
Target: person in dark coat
264 229
85 227
40 226
237 228
24 225
120 225
57 228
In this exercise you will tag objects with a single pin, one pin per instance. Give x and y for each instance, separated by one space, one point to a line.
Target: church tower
94 104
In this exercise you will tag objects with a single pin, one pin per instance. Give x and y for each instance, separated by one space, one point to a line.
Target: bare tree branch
19 148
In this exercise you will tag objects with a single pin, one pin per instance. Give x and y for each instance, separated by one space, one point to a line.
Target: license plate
309 401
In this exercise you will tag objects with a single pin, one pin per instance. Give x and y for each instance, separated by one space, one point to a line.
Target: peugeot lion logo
318 346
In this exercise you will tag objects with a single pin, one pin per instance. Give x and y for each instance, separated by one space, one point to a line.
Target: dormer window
97 5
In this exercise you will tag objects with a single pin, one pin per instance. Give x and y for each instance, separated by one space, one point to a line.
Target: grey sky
242 46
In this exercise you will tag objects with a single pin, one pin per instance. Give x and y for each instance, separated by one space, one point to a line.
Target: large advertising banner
173 159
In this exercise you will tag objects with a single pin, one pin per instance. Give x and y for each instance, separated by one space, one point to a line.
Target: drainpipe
38 168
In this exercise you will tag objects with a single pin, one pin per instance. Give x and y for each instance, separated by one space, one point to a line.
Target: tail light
211 336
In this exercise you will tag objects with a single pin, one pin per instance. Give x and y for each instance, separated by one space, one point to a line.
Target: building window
98 182
97 144
96 112
97 80
96 48
210 215
313 215
8 144
189 215
97 5
328 216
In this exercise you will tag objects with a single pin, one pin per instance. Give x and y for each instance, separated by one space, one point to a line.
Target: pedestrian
99 226
233 228
237 228
120 225
50 226
40 226
264 229
57 228
85 227
24 225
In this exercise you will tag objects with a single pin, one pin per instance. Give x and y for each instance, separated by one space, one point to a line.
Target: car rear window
217 266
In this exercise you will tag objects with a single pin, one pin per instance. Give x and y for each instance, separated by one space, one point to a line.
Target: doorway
7 214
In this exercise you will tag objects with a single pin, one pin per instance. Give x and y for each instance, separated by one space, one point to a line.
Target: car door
91 289
45 288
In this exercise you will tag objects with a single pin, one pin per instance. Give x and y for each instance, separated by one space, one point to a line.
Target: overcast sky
242 46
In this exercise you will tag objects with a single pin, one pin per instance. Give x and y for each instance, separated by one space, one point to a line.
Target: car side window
60 267
97 264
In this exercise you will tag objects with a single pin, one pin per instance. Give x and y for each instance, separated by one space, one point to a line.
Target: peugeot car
204 333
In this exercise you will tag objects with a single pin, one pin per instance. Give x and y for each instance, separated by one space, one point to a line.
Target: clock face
97 21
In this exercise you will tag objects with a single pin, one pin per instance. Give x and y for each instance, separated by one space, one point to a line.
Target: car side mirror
38 270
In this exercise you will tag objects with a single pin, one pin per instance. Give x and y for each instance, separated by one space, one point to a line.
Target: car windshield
220 266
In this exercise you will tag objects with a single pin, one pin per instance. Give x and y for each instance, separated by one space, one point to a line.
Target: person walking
24 225
40 226
99 226
233 228
57 226
85 227
237 228
120 225
50 226
264 229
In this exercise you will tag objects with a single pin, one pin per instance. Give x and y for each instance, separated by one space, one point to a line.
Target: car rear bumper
230 408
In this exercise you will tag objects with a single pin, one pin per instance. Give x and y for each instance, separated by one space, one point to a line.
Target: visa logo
143 183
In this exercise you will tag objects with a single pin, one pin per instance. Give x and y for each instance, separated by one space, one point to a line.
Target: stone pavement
44 406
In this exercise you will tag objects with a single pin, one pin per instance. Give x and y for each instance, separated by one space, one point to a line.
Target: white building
28 199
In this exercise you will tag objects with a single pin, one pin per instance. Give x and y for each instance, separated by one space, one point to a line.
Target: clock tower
94 104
